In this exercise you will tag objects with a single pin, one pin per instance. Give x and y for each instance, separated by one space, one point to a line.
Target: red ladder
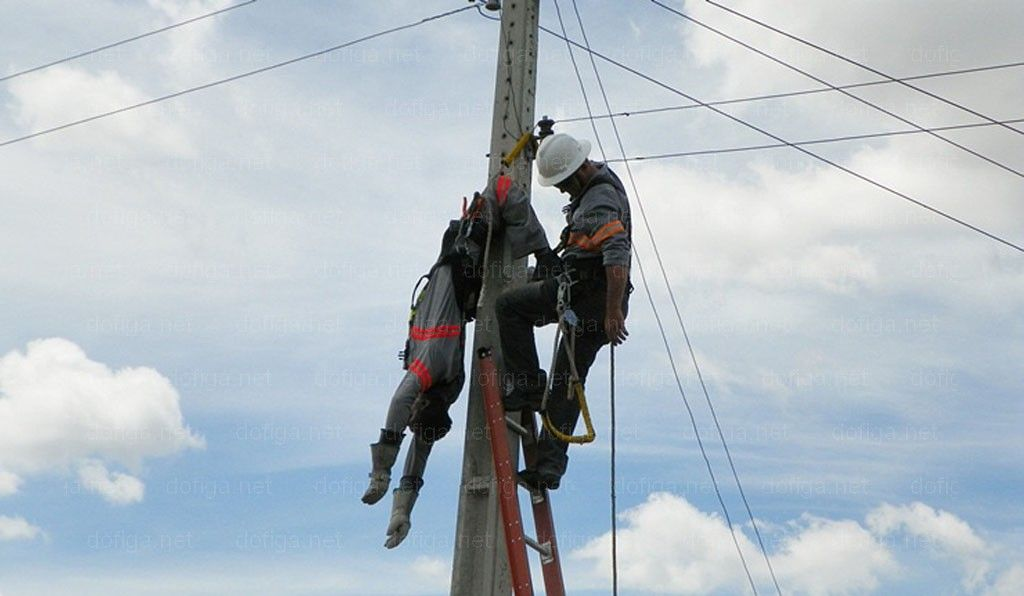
508 497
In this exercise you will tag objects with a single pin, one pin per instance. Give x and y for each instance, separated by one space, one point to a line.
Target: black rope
235 77
650 232
835 88
124 41
615 547
861 65
823 159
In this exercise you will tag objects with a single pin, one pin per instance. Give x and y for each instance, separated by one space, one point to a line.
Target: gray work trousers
522 308
397 420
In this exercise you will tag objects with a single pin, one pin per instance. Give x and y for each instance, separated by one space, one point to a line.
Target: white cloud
947 533
9 483
16 528
61 94
668 545
832 557
60 409
1009 583
116 487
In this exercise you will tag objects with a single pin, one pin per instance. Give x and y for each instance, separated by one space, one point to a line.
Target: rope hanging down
679 318
243 75
689 409
124 41
861 65
857 98
807 152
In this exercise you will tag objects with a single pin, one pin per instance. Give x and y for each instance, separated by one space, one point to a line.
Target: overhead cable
124 41
243 75
807 152
861 65
722 102
857 98
682 326
857 137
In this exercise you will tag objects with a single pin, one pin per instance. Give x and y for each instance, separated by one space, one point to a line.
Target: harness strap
567 321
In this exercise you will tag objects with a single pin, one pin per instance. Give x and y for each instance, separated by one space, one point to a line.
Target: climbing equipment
546 544
559 156
565 334
522 143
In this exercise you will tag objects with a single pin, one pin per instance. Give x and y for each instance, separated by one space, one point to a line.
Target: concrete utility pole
480 565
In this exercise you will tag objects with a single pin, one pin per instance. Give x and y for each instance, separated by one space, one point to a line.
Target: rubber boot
383 455
401 510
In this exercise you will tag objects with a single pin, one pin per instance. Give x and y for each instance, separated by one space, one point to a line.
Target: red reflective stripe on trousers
441 331
417 368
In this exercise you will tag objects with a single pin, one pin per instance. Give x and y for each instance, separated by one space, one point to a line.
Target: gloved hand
548 264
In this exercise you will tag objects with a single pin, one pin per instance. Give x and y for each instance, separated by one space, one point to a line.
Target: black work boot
526 393
539 480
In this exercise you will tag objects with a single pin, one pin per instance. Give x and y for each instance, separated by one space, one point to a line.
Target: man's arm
614 320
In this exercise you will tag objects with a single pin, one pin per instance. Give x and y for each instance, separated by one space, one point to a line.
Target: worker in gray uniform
433 355
597 250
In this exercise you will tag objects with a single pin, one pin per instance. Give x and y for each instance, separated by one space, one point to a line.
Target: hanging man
433 355
596 256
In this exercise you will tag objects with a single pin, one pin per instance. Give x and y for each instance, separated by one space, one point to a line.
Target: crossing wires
237 77
861 65
857 98
801 149
664 275
125 41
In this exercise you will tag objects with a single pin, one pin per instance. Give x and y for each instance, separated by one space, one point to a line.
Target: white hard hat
559 156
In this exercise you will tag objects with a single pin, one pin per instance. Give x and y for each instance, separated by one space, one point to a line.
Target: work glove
548 264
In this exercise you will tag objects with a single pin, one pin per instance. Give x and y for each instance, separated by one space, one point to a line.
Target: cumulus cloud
947 533
16 528
115 487
668 545
832 557
59 409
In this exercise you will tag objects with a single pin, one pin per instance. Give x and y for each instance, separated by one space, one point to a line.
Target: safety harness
568 321
462 247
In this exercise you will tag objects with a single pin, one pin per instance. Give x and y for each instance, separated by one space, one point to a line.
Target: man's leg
519 310
564 413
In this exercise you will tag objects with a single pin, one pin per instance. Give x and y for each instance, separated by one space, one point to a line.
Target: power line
723 102
754 127
872 135
236 77
686 335
834 88
124 41
583 89
657 317
860 65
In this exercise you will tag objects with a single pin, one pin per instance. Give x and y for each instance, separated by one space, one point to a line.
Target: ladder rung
517 428
543 549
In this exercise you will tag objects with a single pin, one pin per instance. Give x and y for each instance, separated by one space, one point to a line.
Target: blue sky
228 274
